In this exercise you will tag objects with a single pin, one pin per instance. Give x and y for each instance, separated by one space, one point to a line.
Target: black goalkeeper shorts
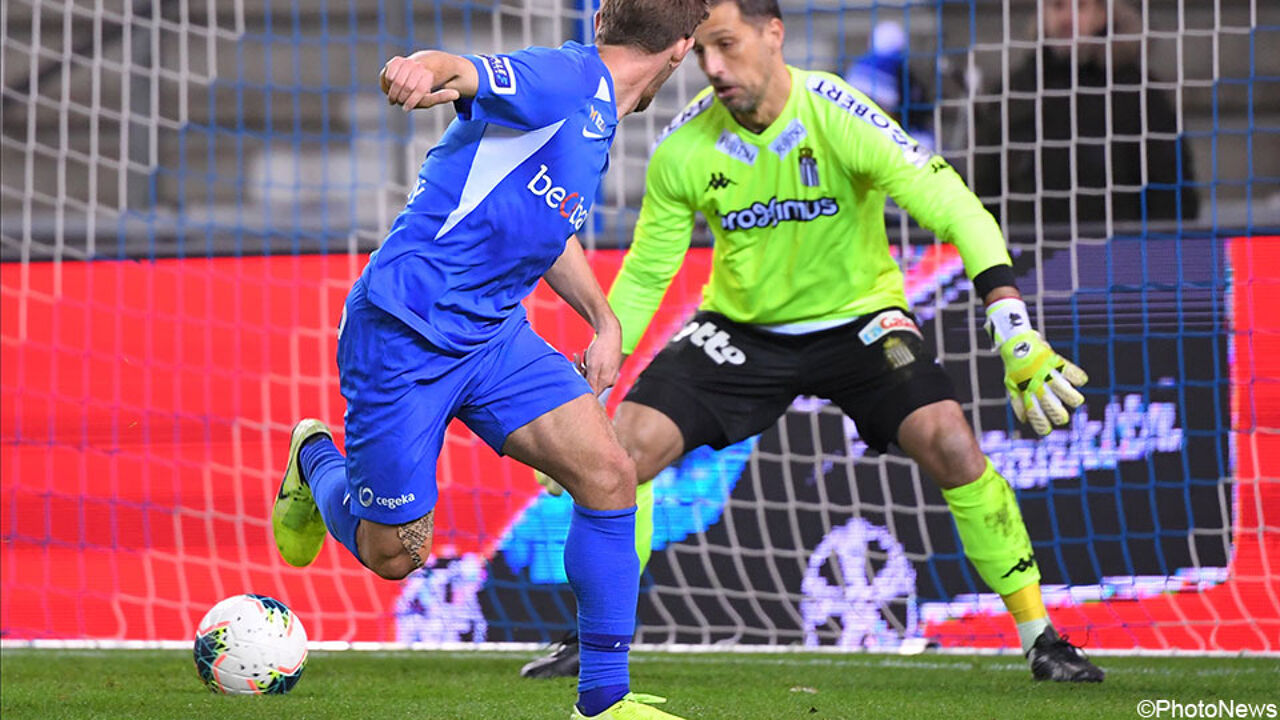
722 382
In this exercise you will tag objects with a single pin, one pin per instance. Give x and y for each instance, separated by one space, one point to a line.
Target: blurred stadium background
189 188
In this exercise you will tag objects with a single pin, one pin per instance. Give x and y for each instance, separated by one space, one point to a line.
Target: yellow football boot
295 518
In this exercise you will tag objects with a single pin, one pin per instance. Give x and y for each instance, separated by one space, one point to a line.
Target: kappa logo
713 341
885 323
570 204
1022 565
719 181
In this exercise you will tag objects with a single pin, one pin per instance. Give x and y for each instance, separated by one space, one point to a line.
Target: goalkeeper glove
1041 383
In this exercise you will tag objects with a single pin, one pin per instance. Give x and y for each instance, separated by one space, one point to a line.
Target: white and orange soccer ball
250 645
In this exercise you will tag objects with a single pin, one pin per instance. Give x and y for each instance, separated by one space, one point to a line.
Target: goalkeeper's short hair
755 11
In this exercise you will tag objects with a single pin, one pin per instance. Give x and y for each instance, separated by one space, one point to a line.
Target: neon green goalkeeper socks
991 529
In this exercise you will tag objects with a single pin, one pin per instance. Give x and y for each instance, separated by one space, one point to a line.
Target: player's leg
651 438
377 501
995 539
685 399
534 407
938 437
652 441
575 444
897 393
390 550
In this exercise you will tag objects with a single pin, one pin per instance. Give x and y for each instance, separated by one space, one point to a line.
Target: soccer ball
250 645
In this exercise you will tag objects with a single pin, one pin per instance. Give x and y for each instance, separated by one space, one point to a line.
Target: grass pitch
141 685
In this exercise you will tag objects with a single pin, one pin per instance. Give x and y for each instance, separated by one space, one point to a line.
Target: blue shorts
401 392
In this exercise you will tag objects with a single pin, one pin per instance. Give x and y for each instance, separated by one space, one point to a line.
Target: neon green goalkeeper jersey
797 211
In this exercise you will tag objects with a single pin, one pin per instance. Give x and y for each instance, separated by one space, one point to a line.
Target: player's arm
662 236
572 279
427 78
1040 382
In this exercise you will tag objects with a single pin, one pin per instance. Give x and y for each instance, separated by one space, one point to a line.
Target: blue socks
604 572
599 560
325 470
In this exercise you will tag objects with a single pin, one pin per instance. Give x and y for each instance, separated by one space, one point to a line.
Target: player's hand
603 358
1041 383
408 84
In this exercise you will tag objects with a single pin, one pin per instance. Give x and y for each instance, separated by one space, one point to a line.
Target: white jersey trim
830 90
499 153
690 112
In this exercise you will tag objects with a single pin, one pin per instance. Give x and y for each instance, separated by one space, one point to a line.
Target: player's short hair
755 11
651 25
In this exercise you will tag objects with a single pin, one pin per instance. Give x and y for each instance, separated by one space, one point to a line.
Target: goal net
189 188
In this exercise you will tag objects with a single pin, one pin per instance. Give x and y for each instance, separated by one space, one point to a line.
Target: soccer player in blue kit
433 329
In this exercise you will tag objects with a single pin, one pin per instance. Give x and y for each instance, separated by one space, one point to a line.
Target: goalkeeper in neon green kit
791 169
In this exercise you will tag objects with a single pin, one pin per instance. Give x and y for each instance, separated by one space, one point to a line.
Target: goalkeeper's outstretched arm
1040 382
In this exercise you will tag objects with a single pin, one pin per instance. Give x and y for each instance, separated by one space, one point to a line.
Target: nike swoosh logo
593 136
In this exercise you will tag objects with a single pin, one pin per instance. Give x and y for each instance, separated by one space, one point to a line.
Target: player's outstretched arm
572 279
428 78
1041 383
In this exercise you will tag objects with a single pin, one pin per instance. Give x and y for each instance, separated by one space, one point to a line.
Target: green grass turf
141 685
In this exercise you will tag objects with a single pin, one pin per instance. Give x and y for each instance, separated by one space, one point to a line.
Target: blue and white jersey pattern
511 179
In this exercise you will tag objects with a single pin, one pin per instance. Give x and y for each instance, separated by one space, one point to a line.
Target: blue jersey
497 198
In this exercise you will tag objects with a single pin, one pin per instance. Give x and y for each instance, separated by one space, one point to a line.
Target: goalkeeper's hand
1041 383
